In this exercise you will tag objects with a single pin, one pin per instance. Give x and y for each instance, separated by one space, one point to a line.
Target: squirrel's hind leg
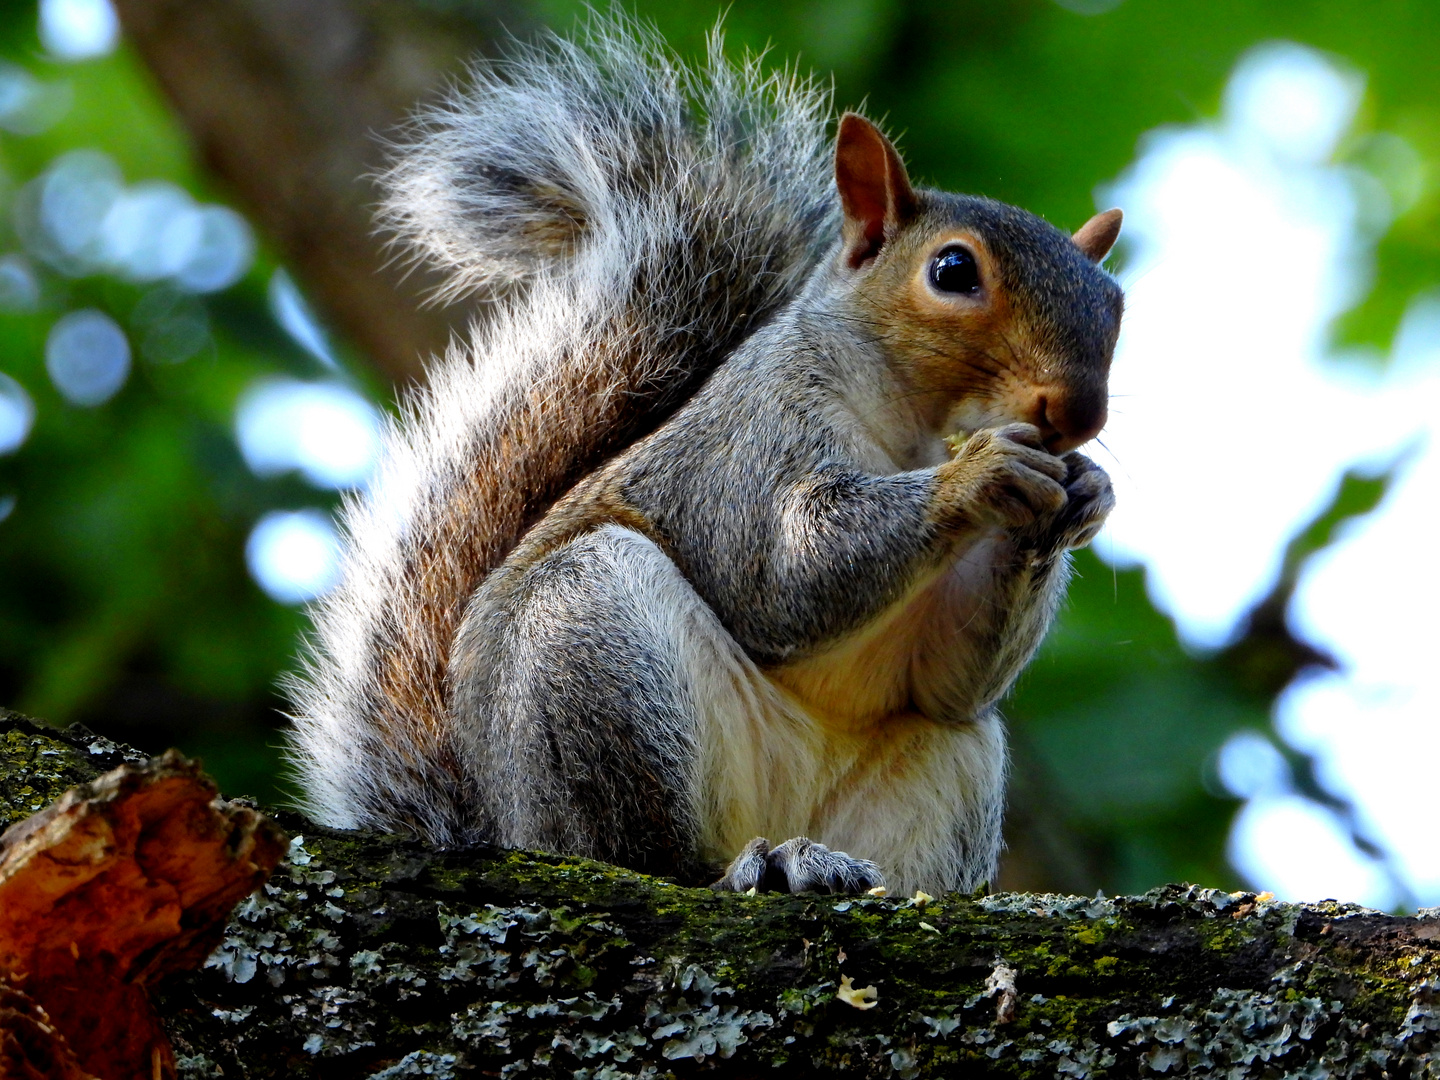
603 710
572 707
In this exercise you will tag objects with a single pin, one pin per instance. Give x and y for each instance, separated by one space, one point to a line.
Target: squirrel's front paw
798 865
1001 476
1089 500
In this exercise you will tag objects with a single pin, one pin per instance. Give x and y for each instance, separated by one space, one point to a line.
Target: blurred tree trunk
289 102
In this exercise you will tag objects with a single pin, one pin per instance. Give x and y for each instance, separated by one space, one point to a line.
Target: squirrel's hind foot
798 865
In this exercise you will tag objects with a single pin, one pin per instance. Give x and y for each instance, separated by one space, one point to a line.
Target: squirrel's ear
875 193
1097 236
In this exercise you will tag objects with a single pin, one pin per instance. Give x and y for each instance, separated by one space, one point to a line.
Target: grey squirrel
673 555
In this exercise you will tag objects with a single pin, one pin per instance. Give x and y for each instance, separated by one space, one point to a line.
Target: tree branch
369 955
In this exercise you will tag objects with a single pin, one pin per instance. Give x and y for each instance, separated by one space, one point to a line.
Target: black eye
955 271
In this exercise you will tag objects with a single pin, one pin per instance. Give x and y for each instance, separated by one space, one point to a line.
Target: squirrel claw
798 865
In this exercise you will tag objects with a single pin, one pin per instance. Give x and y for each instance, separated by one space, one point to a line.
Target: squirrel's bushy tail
632 220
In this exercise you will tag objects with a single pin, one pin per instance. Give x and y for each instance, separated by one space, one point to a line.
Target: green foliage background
124 599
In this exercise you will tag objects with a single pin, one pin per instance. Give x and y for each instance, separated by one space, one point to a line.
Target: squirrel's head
988 313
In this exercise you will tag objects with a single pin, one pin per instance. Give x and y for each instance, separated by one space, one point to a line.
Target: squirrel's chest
910 658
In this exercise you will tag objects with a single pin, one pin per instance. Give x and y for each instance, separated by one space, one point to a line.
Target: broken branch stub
116 884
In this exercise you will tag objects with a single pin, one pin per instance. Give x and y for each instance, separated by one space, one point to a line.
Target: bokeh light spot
19 287
81 218
223 250
78 29
325 430
150 231
60 214
1250 765
293 314
1297 850
88 357
17 415
294 555
1293 101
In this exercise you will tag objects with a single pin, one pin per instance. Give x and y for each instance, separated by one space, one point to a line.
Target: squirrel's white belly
918 794
834 748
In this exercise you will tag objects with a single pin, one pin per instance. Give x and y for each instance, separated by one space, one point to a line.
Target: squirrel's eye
955 271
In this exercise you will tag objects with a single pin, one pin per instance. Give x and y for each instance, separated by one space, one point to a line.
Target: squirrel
673 555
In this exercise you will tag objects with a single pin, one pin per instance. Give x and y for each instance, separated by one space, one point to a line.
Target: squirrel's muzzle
1068 417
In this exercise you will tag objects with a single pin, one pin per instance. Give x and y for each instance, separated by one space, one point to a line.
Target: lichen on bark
372 956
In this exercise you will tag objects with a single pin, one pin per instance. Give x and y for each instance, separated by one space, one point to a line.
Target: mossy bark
370 956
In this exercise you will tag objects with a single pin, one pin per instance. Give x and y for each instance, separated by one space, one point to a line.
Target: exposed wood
31 1048
118 883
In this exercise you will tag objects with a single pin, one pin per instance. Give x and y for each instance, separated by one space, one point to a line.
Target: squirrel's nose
1068 417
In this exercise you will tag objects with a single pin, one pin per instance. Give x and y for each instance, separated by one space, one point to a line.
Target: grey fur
572 692
571 159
